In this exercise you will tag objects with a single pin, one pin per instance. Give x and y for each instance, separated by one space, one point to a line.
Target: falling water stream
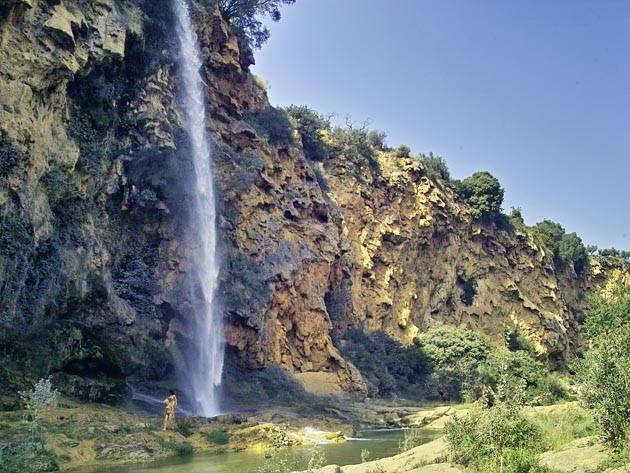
204 367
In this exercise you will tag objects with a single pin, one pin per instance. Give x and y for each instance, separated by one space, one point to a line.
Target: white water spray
204 370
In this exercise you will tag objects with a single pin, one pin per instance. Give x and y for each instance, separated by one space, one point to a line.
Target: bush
484 194
27 455
403 151
492 434
564 248
376 139
273 123
436 167
41 397
455 355
353 144
311 125
571 250
538 386
387 366
219 437
607 314
515 460
604 372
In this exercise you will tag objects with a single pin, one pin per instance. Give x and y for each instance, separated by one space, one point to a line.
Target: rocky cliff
94 208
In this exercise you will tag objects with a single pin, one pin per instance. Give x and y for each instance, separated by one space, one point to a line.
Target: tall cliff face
418 259
94 207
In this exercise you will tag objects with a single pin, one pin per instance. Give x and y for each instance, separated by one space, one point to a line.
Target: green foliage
484 194
486 434
40 398
436 167
515 460
352 143
539 387
607 314
496 438
387 366
515 220
27 455
244 16
613 256
403 151
571 249
604 372
564 248
219 437
464 364
273 123
10 157
310 126
455 354
377 138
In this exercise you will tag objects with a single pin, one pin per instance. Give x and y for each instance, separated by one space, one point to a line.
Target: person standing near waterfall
169 410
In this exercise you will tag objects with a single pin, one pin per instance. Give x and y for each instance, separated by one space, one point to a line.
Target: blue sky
535 91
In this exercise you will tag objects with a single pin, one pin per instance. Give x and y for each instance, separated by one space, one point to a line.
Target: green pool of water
380 443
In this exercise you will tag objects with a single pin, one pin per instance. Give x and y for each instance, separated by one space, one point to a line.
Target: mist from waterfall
205 364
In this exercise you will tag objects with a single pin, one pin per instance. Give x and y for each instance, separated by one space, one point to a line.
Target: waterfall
204 366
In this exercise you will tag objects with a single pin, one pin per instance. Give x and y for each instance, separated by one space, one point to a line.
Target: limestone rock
580 456
62 21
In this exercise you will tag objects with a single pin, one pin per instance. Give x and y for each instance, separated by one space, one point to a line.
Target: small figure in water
169 410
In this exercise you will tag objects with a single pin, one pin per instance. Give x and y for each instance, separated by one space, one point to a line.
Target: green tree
571 250
245 17
403 151
484 194
564 248
604 372
455 355
436 167
377 138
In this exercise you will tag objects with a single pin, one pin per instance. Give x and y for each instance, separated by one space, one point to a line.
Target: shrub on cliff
310 126
377 138
403 151
353 143
436 167
604 372
245 17
484 194
273 123
564 248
